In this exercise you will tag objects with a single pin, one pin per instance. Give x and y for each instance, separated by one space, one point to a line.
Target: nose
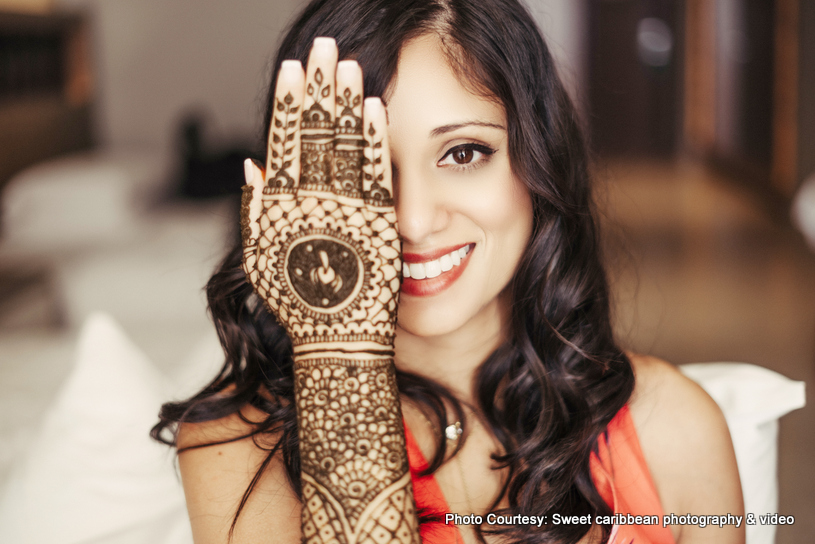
420 207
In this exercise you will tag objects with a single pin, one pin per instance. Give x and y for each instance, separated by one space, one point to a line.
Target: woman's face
464 218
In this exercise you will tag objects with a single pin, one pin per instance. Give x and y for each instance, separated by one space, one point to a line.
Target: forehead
426 90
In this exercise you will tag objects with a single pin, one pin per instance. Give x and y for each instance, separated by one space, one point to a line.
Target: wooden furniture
46 88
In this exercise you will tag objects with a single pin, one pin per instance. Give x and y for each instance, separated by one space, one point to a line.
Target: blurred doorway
726 80
635 76
731 77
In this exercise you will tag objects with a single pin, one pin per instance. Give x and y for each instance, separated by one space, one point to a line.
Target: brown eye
463 155
466 156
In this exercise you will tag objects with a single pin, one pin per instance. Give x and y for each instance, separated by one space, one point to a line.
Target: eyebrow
444 129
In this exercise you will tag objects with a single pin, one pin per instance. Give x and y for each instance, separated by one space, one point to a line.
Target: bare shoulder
687 445
215 478
663 392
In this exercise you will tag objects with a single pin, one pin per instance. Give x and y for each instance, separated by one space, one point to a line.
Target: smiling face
464 218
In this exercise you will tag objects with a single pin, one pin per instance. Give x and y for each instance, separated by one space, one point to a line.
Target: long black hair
551 389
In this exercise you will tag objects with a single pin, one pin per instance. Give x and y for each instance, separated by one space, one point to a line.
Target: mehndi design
327 256
355 474
321 249
317 132
282 146
348 144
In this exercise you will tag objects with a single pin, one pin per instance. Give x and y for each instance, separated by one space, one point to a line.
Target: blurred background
123 124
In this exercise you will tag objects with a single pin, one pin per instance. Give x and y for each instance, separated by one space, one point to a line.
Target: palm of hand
319 228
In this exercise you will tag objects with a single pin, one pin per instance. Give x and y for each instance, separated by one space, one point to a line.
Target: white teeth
417 271
432 269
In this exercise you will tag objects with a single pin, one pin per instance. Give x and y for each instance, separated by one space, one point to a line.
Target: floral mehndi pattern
356 463
327 262
321 249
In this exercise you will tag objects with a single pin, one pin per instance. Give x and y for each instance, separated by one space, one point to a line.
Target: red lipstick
432 286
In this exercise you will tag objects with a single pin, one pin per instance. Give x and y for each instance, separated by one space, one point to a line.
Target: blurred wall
565 27
156 59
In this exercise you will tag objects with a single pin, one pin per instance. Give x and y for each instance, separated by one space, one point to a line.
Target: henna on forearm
356 482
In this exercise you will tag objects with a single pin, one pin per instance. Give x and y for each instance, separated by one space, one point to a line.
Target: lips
432 272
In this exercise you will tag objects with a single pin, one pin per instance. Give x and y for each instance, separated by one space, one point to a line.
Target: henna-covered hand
319 229
322 250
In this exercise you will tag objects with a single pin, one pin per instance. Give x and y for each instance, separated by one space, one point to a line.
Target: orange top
619 472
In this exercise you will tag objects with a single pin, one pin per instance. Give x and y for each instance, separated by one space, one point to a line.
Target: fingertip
348 68
324 42
291 64
249 171
373 104
253 173
373 110
291 73
324 51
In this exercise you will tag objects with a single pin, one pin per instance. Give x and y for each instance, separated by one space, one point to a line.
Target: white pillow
93 474
81 200
752 399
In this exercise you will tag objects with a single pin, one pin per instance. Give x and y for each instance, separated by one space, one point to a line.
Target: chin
429 321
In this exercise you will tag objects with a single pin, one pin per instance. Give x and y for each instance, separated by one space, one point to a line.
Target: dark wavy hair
549 392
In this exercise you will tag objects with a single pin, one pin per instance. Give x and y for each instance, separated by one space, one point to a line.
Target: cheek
502 210
505 215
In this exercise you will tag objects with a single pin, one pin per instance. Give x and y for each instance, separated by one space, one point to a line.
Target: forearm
354 468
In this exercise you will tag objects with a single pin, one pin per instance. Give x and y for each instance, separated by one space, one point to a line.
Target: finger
317 128
348 132
283 155
251 208
377 183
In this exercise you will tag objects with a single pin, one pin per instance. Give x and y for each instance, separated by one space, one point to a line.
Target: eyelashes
467 156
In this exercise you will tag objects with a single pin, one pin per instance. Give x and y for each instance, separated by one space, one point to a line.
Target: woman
507 373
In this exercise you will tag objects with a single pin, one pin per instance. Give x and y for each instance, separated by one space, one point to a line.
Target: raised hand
321 245
322 250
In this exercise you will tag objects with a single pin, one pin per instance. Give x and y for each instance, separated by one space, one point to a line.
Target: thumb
251 206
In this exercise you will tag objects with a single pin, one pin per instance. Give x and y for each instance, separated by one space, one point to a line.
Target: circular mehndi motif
324 273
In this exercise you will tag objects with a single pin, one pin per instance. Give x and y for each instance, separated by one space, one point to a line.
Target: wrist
345 348
346 356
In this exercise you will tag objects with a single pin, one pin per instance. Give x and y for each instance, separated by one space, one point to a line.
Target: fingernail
347 65
324 43
373 103
290 66
291 72
249 171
